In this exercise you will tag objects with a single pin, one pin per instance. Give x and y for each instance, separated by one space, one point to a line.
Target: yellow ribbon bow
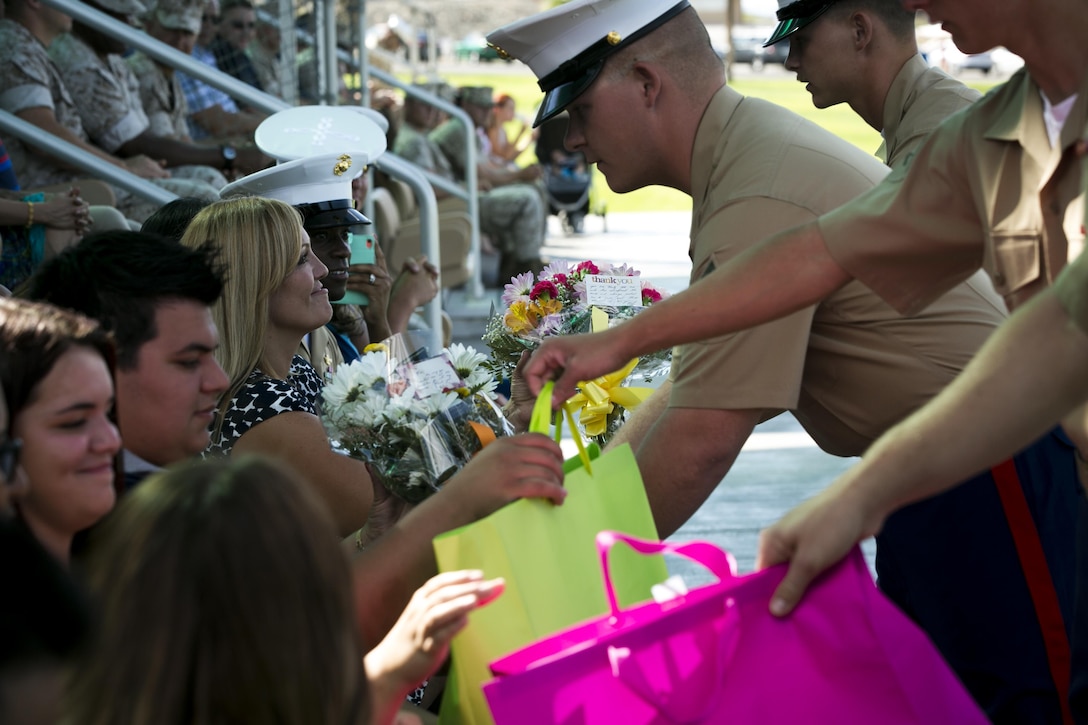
599 397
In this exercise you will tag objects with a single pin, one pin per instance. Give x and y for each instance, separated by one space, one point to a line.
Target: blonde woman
272 298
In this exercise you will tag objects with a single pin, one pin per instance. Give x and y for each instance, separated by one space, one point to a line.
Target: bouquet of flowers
561 301
415 419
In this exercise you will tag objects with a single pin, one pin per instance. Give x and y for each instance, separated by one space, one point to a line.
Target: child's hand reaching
420 640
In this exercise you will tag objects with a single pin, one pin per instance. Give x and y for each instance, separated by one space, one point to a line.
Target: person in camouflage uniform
512 210
106 92
161 95
31 88
175 23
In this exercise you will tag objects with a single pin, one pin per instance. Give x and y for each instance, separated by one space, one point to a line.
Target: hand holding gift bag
548 556
717 655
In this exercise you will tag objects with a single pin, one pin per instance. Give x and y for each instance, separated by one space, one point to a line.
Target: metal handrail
466 192
94 165
428 226
143 42
260 100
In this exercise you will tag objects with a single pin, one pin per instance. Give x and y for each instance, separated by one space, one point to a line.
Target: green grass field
783 90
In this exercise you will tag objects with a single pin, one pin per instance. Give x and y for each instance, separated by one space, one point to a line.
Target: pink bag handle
720 563
677 709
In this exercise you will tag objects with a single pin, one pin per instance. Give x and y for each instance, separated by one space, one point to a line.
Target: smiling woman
56 373
273 298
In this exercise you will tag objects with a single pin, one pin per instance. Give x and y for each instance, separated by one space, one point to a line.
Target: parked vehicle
475 48
748 47
982 62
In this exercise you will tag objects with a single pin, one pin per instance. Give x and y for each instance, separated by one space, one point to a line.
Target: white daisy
466 359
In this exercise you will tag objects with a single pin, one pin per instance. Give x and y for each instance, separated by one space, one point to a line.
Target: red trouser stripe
1037 574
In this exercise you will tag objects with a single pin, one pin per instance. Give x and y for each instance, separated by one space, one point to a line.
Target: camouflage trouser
513 216
205 174
139 209
107 218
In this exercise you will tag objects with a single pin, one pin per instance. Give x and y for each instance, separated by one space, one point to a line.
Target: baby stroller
568 181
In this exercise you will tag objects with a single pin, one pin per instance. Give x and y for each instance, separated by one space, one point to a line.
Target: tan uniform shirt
28 79
919 100
1072 289
986 189
851 366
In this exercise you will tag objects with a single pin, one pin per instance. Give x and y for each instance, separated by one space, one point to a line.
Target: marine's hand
570 359
420 640
522 466
813 537
251 159
146 167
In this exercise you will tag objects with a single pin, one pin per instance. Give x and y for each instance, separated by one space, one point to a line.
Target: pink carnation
544 288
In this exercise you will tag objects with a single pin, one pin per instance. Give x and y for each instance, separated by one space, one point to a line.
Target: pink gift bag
716 655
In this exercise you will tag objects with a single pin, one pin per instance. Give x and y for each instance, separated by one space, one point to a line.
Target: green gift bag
548 557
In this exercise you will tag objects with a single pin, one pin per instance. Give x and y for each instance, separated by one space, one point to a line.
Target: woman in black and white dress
272 298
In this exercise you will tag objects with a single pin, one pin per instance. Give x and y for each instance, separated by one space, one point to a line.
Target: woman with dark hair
224 596
43 615
56 371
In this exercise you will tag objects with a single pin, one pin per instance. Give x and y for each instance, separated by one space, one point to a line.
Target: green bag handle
541 422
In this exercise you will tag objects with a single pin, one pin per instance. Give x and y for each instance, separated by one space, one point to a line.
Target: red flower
587 267
650 296
544 288
561 279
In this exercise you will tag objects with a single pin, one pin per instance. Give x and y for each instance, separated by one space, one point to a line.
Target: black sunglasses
10 448
241 25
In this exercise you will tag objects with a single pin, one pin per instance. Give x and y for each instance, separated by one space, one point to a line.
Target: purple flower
520 286
550 325
555 268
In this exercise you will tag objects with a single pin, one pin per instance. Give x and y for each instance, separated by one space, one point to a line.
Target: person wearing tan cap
865 53
648 103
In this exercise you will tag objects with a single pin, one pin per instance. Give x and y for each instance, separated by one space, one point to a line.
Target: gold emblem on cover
342 165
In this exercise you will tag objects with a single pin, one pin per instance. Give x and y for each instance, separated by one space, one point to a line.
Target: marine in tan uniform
865 53
997 186
849 367
1072 289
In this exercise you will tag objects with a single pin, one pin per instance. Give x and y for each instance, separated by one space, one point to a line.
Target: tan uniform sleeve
917 234
1071 287
759 368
